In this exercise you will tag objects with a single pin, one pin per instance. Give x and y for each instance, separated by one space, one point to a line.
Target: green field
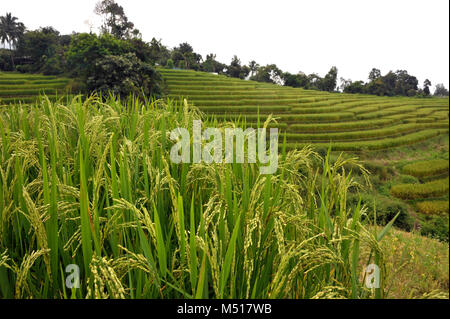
26 88
352 122
430 194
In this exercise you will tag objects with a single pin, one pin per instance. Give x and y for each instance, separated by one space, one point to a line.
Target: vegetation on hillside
47 51
350 122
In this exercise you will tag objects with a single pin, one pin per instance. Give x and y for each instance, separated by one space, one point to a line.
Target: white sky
308 36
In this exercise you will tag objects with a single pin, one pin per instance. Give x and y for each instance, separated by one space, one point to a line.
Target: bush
5 61
169 64
124 75
386 209
436 227
383 171
86 49
25 68
53 66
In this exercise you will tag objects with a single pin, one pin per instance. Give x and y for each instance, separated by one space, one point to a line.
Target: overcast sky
308 36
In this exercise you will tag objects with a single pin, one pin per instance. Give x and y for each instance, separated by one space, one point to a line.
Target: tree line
118 59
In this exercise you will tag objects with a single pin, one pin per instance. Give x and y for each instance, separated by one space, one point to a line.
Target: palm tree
253 67
10 31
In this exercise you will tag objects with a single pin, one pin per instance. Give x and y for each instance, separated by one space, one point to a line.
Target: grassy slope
27 87
425 154
352 122
415 265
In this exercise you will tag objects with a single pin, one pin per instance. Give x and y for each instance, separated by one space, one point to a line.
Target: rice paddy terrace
26 88
351 122
430 195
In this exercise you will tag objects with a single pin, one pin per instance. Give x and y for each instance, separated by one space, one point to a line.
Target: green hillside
353 122
428 194
26 88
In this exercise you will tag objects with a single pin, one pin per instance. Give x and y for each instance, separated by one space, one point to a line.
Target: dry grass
417 266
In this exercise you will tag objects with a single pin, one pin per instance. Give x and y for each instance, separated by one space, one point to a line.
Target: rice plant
433 207
90 183
427 168
433 189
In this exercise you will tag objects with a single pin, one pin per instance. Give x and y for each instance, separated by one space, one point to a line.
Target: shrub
386 209
435 226
170 64
5 61
25 68
124 75
383 171
86 49
53 66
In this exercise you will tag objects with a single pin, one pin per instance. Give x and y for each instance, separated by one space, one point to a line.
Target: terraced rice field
15 87
431 194
351 122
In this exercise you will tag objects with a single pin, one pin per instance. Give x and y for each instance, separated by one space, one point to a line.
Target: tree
184 57
269 74
374 74
141 49
253 66
158 53
426 87
329 82
314 81
115 21
406 85
303 80
169 64
290 80
377 87
440 90
354 87
387 84
86 48
296 80
344 83
236 70
42 47
212 65
10 32
124 75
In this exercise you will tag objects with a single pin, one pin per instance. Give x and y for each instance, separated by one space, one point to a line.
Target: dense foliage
124 75
46 51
